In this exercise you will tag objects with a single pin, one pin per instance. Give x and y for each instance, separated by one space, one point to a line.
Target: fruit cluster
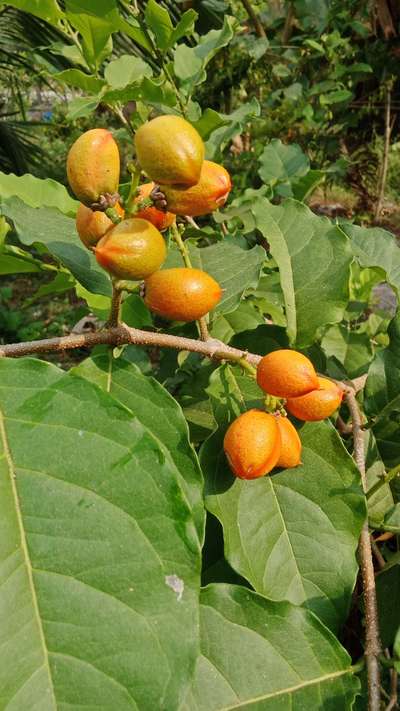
257 441
127 239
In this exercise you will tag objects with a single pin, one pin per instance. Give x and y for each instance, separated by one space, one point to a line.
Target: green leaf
82 106
245 318
210 120
234 266
382 390
305 186
132 29
159 21
270 523
9 264
100 557
353 350
263 655
221 137
335 97
382 501
95 22
62 282
80 80
184 27
374 247
159 413
190 62
47 10
126 70
37 192
314 258
280 163
57 232
388 594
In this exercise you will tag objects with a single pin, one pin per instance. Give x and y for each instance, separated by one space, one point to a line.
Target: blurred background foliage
325 74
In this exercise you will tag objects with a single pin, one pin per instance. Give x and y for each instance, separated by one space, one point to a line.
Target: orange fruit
318 404
158 218
181 294
93 165
210 193
133 249
291 444
92 225
170 150
252 444
286 373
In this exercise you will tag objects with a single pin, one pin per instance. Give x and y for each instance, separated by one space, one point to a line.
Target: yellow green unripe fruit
131 250
91 225
170 150
93 165
181 294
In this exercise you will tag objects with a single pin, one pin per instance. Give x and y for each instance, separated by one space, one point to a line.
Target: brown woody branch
372 639
121 335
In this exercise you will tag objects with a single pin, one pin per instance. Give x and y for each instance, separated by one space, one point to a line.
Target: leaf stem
134 170
372 639
385 479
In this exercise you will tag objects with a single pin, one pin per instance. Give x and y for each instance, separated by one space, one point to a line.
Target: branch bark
372 639
260 32
121 335
385 159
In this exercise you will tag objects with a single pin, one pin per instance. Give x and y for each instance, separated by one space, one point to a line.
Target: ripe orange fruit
291 444
286 373
210 193
133 249
318 404
181 294
170 150
159 219
93 165
252 444
92 225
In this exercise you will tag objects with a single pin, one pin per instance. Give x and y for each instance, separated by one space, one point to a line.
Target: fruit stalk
134 170
372 638
115 309
202 322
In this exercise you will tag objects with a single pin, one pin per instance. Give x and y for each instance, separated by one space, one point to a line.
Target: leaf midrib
25 552
288 690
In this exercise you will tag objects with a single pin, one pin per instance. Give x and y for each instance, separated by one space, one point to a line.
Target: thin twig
254 17
124 335
385 158
372 639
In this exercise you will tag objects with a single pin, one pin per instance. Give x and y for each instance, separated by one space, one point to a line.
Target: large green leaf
163 418
313 257
382 389
48 10
159 21
353 350
234 266
126 70
375 247
234 124
266 656
57 232
37 193
95 22
190 62
99 555
270 523
281 163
